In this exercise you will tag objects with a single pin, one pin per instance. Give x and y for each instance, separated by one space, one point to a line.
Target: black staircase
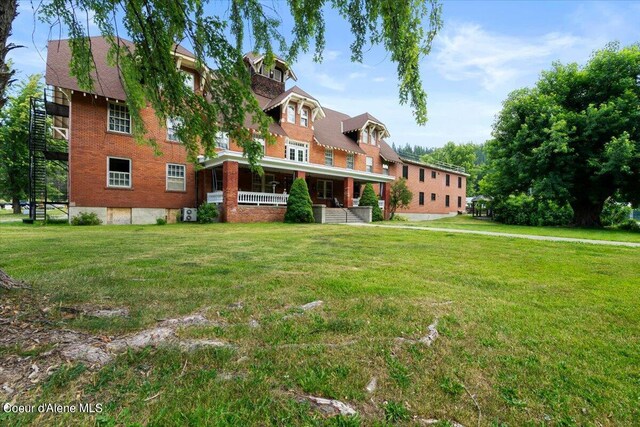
48 150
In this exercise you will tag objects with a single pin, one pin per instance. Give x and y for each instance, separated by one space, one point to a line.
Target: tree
8 12
400 196
369 198
14 141
470 156
299 206
150 76
574 137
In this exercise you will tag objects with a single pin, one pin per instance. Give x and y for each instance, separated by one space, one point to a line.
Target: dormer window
277 75
291 113
366 136
189 79
374 135
304 117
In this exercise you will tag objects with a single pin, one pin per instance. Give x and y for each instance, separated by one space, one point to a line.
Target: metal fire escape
48 155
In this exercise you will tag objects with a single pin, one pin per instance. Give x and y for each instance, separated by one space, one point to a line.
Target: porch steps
340 216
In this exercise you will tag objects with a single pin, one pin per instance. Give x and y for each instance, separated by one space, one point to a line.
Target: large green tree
14 141
148 71
574 137
400 196
470 156
8 12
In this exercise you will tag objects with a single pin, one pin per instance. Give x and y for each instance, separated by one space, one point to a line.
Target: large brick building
123 182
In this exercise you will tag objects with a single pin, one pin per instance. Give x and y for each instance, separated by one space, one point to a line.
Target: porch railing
256 198
215 197
356 203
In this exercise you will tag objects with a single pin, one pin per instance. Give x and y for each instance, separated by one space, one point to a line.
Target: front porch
245 196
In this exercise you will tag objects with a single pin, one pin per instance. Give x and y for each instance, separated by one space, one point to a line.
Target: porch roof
290 165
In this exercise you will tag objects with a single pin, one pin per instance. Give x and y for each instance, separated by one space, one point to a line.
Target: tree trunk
8 12
587 213
16 205
6 282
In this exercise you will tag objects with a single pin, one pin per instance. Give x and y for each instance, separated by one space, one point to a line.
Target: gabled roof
255 59
388 153
106 78
328 134
360 121
280 99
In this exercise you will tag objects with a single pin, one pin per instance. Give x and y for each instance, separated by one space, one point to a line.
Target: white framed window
365 137
369 164
222 140
277 75
261 142
189 79
373 135
176 180
291 113
325 189
328 156
298 151
118 172
350 161
385 169
172 125
304 117
118 118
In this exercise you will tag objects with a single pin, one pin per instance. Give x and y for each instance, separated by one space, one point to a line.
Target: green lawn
542 333
466 222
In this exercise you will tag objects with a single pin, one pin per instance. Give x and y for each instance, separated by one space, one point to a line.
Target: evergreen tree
369 198
299 203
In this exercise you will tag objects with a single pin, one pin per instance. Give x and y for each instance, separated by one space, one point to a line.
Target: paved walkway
517 236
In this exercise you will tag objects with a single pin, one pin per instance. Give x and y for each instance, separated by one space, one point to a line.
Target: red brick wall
91 144
256 214
432 185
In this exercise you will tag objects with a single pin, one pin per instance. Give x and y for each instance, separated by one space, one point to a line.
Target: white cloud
330 55
325 80
357 75
468 52
379 79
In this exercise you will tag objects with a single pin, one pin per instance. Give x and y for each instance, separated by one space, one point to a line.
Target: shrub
207 213
161 221
614 213
395 411
527 210
369 198
399 218
86 218
299 203
630 225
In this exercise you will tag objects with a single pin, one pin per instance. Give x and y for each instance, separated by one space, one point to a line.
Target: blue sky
485 50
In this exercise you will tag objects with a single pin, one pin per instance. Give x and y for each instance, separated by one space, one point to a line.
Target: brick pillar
229 190
387 198
348 193
300 174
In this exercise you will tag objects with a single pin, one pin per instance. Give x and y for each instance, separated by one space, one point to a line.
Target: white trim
109 104
130 173
184 176
312 168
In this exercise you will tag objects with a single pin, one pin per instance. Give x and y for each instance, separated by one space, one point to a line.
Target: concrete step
340 216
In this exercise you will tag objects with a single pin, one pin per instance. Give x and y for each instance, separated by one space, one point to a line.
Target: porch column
348 193
387 199
300 174
229 190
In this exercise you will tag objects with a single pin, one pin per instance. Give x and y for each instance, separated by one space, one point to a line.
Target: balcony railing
256 198
215 197
356 203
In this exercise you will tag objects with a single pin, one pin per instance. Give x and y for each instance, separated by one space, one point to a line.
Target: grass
466 222
540 332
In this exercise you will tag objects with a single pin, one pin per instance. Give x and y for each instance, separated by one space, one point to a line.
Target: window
304 117
405 171
433 197
328 156
350 161
421 175
365 137
189 79
172 124
222 140
119 118
262 144
297 151
447 180
459 201
372 139
325 189
118 172
291 113
433 174
421 198
176 180
446 200
369 164
385 168
262 184
459 182
277 75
